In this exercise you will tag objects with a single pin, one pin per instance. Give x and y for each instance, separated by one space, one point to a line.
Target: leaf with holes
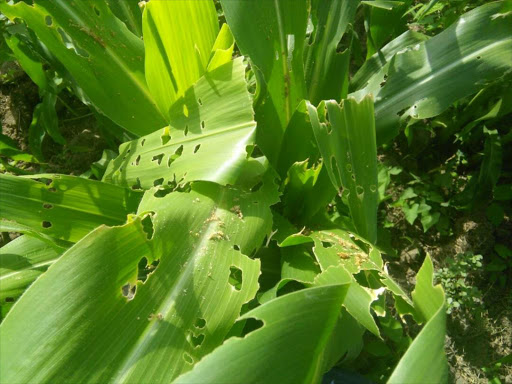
424 81
210 128
323 62
102 55
22 261
48 205
272 34
346 138
270 353
180 312
178 38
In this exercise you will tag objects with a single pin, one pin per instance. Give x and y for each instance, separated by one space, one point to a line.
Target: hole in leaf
147 225
47 224
128 291
235 277
158 182
97 11
251 325
70 44
292 286
327 244
158 158
200 101
166 137
175 156
236 247
402 111
137 184
257 187
48 20
188 359
200 323
137 160
162 192
197 148
255 151
47 206
52 189
9 299
185 132
142 142
196 341
478 57
202 124
144 269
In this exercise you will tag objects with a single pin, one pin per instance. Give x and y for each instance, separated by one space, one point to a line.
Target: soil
477 338
84 145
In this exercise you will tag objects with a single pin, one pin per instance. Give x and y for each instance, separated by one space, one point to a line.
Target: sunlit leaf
49 206
270 354
181 312
272 34
207 139
346 138
178 38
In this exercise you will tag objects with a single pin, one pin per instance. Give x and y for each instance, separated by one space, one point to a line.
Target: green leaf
346 138
424 81
9 148
338 247
358 299
209 131
425 359
299 142
490 169
272 34
381 58
180 313
28 60
306 191
428 220
270 354
178 38
495 213
387 5
222 51
503 192
323 63
296 265
411 212
51 208
128 11
22 261
101 54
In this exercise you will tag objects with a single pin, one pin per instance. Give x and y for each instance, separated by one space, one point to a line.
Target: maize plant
233 238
